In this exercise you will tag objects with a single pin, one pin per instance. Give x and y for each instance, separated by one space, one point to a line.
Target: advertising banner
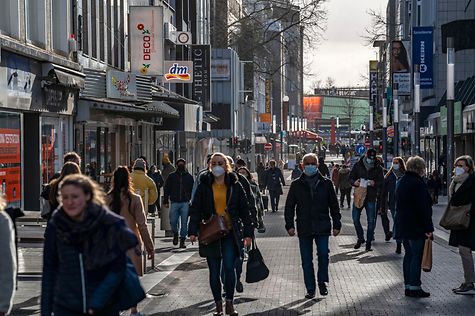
11 184
422 52
121 85
400 66
178 71
200 55
9 146
312 109
220 69
268 100
146 40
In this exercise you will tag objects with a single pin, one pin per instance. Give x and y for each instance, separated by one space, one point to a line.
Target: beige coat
136 219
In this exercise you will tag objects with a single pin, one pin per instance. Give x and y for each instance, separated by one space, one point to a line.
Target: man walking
366 173
178 188
313 199
274 181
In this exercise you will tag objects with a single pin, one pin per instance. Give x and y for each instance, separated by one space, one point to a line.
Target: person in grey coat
7 261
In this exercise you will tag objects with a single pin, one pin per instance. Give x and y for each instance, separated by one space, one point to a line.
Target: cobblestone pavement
361 283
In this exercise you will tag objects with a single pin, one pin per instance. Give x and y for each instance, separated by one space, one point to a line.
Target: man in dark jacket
313 198
273 180
178 187
366 173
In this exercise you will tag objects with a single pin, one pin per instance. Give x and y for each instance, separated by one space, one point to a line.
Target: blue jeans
306 253
413 250
395 236
179 211
371 217
227 260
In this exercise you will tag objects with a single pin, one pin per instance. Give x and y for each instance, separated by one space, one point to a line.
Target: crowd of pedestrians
92 237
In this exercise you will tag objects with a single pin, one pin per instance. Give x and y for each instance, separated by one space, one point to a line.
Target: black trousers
345 193
274 200
385 222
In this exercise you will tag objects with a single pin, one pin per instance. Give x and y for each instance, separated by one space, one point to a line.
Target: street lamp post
285 121
396 120
450 107
417 109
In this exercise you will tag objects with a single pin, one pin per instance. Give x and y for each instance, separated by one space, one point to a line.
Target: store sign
268 99
11 184
373 83
146 40
400 66
262 128
403 81
422 52
200 55
121 85
265 117
220 69
9 145
177 71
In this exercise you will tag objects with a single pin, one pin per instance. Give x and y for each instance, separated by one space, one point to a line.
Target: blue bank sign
422 52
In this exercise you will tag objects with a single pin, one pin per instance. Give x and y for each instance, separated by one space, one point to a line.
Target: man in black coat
366 172
274 180
313 198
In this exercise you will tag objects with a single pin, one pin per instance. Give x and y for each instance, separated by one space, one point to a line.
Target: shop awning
56 74
163 108
464 92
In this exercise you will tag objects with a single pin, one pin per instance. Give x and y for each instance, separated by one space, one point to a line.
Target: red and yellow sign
9 145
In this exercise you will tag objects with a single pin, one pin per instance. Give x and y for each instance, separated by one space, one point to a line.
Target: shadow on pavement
292 308
203 308
25 308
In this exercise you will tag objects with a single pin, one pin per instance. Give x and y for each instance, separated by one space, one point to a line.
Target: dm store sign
178 72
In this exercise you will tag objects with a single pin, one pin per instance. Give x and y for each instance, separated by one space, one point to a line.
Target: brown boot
219 309
230 309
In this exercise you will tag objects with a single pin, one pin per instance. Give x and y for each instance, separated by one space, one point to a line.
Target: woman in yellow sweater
219 192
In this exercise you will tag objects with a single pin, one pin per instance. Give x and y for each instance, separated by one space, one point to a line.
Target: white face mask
459 171
396 167
217 171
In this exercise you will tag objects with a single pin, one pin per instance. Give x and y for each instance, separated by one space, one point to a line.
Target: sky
342 53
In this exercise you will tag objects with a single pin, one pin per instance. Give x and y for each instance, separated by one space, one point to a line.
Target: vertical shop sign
200 55
268 104
373 83
422 51
146 40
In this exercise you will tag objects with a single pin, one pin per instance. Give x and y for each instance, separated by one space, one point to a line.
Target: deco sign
146 48
178 72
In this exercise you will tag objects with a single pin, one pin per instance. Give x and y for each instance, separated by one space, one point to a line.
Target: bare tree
329 83
377 29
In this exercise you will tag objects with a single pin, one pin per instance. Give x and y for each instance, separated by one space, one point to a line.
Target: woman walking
84 259
435 185
462 192
257 197
413 223
219 193
122 200
387 200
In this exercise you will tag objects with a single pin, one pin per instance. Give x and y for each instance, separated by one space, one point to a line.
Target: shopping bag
427 256
256 268
359 196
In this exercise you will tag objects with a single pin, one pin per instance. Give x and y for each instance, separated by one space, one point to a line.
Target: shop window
10 158
35 16
60 27
54 144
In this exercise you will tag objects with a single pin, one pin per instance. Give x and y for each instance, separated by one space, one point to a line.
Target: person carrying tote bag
462 196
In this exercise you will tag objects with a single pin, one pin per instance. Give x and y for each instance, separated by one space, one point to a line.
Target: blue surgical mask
369 161
217 171
310 170
459 171
396 167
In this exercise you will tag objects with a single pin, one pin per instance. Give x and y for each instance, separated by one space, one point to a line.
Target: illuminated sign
178 72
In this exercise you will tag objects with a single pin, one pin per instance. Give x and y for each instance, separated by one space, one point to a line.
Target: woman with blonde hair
462 192
220 194
84 257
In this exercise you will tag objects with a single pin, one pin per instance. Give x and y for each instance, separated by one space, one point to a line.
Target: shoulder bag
215 227
456 217
130 292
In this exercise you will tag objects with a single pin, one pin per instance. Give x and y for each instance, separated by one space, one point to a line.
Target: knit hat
181 160
139 164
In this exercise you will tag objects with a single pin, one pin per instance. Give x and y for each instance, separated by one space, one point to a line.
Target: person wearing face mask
312 199
462 192
386 200
178 188
369 173
220 193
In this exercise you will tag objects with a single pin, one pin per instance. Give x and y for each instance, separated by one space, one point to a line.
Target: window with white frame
35 17
9 18
61 29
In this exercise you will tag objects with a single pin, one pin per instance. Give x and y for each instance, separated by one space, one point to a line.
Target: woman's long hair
248 173
68 169
121 183
402 166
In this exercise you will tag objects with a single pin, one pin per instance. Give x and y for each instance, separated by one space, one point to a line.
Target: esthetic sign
146 42
200 54
178 71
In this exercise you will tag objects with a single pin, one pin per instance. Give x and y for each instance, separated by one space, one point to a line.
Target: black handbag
256 268
130 292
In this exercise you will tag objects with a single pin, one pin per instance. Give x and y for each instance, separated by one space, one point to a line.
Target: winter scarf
102 235
457 182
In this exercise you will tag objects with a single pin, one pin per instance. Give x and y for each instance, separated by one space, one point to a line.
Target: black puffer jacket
313 214
202 208
178 187
386 200
376 174
413 207
463 196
